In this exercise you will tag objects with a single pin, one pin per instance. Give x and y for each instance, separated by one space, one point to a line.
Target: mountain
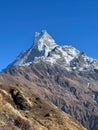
61 74
45 49
42 45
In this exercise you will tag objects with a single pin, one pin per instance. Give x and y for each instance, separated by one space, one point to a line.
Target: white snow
50 60
88 85
45 48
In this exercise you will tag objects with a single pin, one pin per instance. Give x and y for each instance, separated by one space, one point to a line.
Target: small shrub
21 123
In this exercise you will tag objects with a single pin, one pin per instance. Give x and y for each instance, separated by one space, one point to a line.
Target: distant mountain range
61 74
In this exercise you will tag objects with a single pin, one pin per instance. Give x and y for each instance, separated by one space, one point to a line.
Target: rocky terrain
75 94
22 110
60 74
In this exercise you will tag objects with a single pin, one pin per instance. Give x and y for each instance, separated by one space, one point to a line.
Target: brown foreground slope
20 110
75 93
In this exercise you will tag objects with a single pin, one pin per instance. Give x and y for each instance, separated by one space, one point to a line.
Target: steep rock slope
20 110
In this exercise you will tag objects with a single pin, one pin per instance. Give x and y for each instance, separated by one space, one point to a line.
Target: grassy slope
19 110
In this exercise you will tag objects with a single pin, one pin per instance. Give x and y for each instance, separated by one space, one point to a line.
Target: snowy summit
45 49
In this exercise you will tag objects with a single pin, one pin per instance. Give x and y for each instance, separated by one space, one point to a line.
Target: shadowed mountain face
20 110
61 74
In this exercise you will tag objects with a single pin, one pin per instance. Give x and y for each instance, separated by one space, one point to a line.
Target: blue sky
70 22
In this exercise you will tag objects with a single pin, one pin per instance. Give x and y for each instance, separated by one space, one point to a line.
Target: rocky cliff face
61 74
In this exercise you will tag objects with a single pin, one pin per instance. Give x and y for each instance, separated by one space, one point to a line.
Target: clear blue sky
72 22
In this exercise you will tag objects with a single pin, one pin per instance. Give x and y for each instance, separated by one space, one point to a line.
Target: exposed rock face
20 100
43 115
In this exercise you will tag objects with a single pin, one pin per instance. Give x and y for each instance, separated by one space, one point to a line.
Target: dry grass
42 114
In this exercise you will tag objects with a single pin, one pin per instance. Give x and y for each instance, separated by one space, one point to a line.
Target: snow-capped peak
43 44
45 49
43 40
